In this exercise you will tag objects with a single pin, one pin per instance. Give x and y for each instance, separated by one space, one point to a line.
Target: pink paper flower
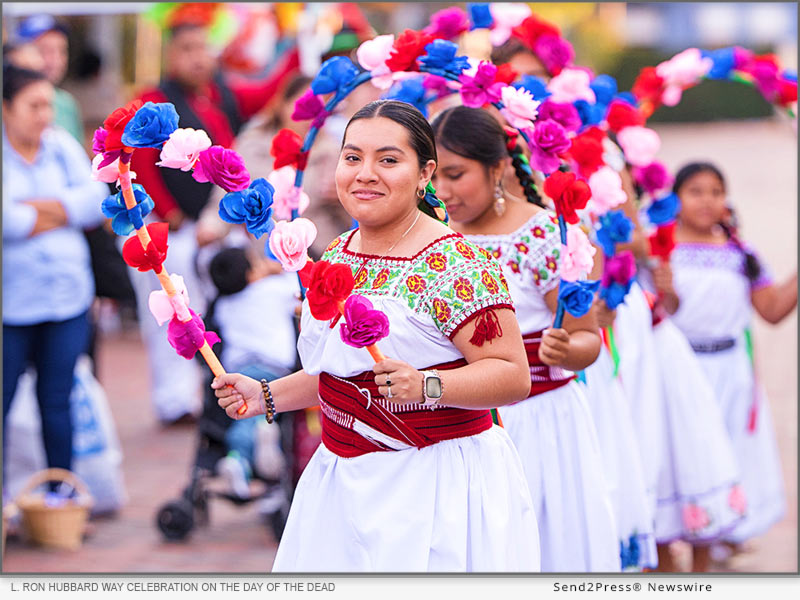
639 144
187 338
108 173
682 70
577 255
561 112
554 51
607 192
506 16
286 196
222 167
372 55
164 308
309 106
289 242
737 500
183 148
448 23
519 107
695 518
548 140
571 85
652 178
480 88
362 325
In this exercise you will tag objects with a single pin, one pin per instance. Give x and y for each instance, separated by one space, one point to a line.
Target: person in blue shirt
48 198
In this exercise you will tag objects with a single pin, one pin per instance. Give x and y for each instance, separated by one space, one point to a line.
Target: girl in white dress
717 282
553 429
405 481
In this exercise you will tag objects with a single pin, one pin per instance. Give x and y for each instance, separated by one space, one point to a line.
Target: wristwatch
432 387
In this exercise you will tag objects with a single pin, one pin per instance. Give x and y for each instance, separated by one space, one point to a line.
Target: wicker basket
55 526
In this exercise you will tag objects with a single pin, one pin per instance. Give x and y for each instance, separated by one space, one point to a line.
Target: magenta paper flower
99 147
221 167
289 242
639 144
506 16
695 518
448 23
109 173
187 338
363 325
548 140
183 148
607 191
571 85
652 178
164 308
286 196
619 268
561 112
310 106
554 51
577 255
519 107
481 88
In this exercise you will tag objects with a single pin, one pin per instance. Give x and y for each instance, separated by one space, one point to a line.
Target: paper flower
327 285
448 23
532 28
639 144
615 228
222 167
372 56
618 274
548 140
577 259
407 48
480 15
682 70
286 196
108 173
363 325
286 150
535 85
183 148
561 112
137 257
411 91
604 88
607 192
571 85
251 207
652 178
568 193
163 308
124 220
554 51
441 55
723 61
519 107
506 16
577 296
648 86
587 151
662 242
506 73
621 115
115 123
481 88
439 86
289 242
589 113
764 69
335 74
187 338
99 140
664 210
151 125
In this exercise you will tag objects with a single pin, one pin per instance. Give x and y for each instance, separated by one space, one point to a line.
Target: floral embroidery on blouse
450 280
726 257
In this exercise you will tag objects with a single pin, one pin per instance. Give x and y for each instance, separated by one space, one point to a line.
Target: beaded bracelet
268 401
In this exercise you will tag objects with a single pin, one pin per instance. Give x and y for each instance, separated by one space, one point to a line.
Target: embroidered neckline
346 249
486 237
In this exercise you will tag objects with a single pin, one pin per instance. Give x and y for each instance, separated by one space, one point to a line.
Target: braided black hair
752 268
522 168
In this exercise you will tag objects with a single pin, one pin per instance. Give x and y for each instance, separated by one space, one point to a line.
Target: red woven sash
543 377
356 419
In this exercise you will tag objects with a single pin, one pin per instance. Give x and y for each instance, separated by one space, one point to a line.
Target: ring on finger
389 392
388 382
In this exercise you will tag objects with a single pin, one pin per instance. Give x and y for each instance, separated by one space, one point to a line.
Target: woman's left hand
405 380
554 349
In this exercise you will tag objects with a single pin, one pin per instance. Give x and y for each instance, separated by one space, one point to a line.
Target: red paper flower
327 285
662 242
137 257
505 74
286 146
621 115
587 151
115 124
532 28
787 92
648 86
407 48
568 193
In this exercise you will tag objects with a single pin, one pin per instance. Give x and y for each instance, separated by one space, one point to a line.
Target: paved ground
760 159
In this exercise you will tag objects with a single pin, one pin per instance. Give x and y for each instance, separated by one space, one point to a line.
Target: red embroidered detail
464 250
415 284
487 328
489 282
442 310
382 278
436 261
464 289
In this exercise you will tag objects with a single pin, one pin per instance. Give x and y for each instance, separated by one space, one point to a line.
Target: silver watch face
433 386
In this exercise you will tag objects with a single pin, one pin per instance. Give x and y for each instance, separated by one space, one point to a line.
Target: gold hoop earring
499 200
421 194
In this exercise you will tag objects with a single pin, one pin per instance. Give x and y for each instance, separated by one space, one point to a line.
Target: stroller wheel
175 519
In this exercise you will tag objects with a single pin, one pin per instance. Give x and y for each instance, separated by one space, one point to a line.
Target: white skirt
557 442
699 493
458 505
622 464
748 420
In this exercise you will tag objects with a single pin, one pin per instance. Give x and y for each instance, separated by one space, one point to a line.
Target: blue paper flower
441 55
615 228
604 87
590 114
664 210
627 97
789 75
535 85
480 15
151 125
251 206
123 219
723 59
335 74
615 293
577 296
411 91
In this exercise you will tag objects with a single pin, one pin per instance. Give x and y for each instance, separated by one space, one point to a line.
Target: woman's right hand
232 389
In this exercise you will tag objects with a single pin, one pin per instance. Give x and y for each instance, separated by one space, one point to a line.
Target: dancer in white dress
403 482
553 430
718 282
